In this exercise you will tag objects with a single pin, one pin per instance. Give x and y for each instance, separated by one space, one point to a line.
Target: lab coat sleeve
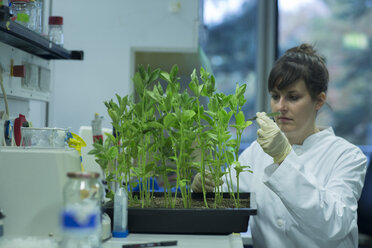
325 211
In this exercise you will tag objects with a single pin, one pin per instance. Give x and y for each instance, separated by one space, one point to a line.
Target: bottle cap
55 20
81 174
118 234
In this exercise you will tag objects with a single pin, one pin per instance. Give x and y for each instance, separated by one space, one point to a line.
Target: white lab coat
311 199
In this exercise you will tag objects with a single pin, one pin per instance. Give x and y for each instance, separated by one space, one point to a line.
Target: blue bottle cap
118 234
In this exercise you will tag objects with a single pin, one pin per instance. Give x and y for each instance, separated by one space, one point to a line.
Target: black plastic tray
188 221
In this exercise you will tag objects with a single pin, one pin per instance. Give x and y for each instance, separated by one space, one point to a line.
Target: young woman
307 181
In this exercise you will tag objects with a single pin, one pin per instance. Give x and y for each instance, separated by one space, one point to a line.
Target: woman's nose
282 104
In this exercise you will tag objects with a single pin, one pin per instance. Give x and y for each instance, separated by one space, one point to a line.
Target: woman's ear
320 100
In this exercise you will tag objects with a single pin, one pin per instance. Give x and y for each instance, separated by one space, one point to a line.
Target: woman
307 181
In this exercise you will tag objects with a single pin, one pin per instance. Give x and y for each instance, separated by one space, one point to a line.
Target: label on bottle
81 217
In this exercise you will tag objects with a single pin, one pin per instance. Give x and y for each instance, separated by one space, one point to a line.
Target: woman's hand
271 139
196 185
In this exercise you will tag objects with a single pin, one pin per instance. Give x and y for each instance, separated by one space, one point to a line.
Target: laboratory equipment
21 11
31 183
97 129
120 228
35 15
81 214
56 30
43 137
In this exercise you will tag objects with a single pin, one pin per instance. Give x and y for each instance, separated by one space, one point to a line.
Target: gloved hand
196 185
271 139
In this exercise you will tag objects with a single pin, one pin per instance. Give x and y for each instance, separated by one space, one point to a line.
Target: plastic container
20 9
44 137
55 32
81 215
120 226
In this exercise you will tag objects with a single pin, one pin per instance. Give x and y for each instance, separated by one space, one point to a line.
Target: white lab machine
31 184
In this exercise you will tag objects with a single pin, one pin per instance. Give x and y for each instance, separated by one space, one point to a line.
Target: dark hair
301 62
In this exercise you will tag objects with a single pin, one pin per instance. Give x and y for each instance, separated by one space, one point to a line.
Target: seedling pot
189 221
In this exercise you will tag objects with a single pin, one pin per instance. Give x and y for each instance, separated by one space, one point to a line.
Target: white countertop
184 241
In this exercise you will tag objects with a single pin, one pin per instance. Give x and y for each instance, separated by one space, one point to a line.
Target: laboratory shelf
20 37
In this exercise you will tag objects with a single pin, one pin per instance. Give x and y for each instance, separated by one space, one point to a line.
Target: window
341 31
228 39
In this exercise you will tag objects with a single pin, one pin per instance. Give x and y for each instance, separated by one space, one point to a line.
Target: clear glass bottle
35 16
81 215
20 9
56 30
39 16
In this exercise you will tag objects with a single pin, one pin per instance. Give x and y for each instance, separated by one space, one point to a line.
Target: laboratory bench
183 241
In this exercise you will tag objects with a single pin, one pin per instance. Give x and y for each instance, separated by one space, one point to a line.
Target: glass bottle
39 16
35 16
56 30
81 215
20 10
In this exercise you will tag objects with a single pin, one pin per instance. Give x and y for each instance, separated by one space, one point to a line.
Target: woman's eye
275 97
294 98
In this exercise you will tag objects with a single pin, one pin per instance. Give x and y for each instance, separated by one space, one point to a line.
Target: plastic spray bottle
120 227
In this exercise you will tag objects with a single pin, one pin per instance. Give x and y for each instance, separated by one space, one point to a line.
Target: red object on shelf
19 71
55 20
17 128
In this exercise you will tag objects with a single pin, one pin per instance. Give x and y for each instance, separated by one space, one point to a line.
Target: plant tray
189 221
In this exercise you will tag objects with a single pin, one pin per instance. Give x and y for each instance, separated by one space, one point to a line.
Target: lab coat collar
312 139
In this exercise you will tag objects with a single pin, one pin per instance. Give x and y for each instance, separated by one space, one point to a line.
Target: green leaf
113 152
160 89
111 137
213 136
240 90
213 105
187 115
113 115
208 119
230 155
142 72
138 83
155 124
247 124
152 95
169 119
240 119
194 88
154 75
165 75
173 73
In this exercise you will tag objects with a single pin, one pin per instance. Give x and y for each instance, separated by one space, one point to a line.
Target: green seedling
162 132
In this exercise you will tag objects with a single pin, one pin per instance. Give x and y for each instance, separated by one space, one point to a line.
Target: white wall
110 32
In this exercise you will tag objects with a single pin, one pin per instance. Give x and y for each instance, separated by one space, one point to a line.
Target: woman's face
297 111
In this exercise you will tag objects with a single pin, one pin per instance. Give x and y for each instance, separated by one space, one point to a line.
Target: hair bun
303 48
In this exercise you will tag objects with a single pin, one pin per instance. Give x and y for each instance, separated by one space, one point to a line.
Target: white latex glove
271 139
196 185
